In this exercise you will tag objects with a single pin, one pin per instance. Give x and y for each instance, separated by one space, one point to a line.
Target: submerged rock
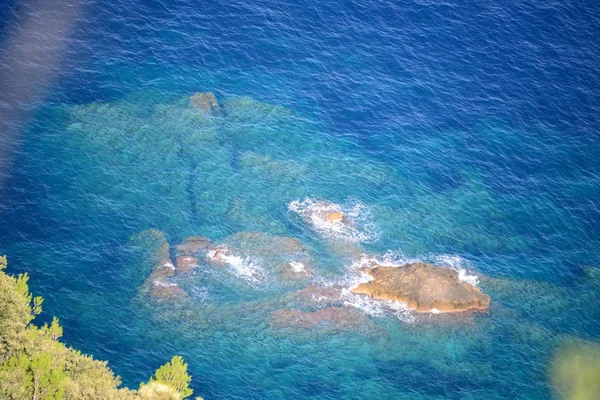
206 102
286 257
345 249
251 256
166 290
342 318
424 288
219 255
186 264
193 246
315 295
265 245
573 303
294 271
154 249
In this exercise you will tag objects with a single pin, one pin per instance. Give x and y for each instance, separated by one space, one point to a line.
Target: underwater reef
240 233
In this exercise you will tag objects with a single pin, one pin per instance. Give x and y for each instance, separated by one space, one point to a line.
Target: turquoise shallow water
440 150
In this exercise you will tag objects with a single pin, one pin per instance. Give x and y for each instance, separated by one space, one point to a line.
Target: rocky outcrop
153 248
206 102
190 252
160 283
186 264
294 271
319 211
333 217
219 255
286 257
166 290
423 287
317 295
350 222
193 246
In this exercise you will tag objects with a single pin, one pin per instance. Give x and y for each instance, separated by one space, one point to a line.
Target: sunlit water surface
460 134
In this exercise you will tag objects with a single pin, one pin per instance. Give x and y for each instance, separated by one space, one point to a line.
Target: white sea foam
470 279
297 267
159 282
170 265
363 303
389 259
357 225
398 259
458 264
213 254
200 294
379 308
244 267
375 308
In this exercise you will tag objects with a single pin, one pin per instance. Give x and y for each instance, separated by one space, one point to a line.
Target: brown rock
319 295
206 102
338 317
165 290
295 271
158 284
337 216
216 255
326 211
186 263
288 244
261 243
423 288
193 245
346 249
163 270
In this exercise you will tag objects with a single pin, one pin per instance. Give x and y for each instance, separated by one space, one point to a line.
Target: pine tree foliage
174 375
35 365
158 391
54 331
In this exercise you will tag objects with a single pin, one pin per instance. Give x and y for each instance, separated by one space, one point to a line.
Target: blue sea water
464 133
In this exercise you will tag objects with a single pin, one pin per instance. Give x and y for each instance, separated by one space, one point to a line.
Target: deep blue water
467 132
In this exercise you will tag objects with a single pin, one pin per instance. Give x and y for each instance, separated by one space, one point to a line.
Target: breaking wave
244 268
379 308
356 225
398 259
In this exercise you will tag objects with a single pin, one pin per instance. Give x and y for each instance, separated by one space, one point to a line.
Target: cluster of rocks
420 287
159 281
286 259
318 305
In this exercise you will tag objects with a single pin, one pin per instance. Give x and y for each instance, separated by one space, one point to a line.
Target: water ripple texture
276 148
